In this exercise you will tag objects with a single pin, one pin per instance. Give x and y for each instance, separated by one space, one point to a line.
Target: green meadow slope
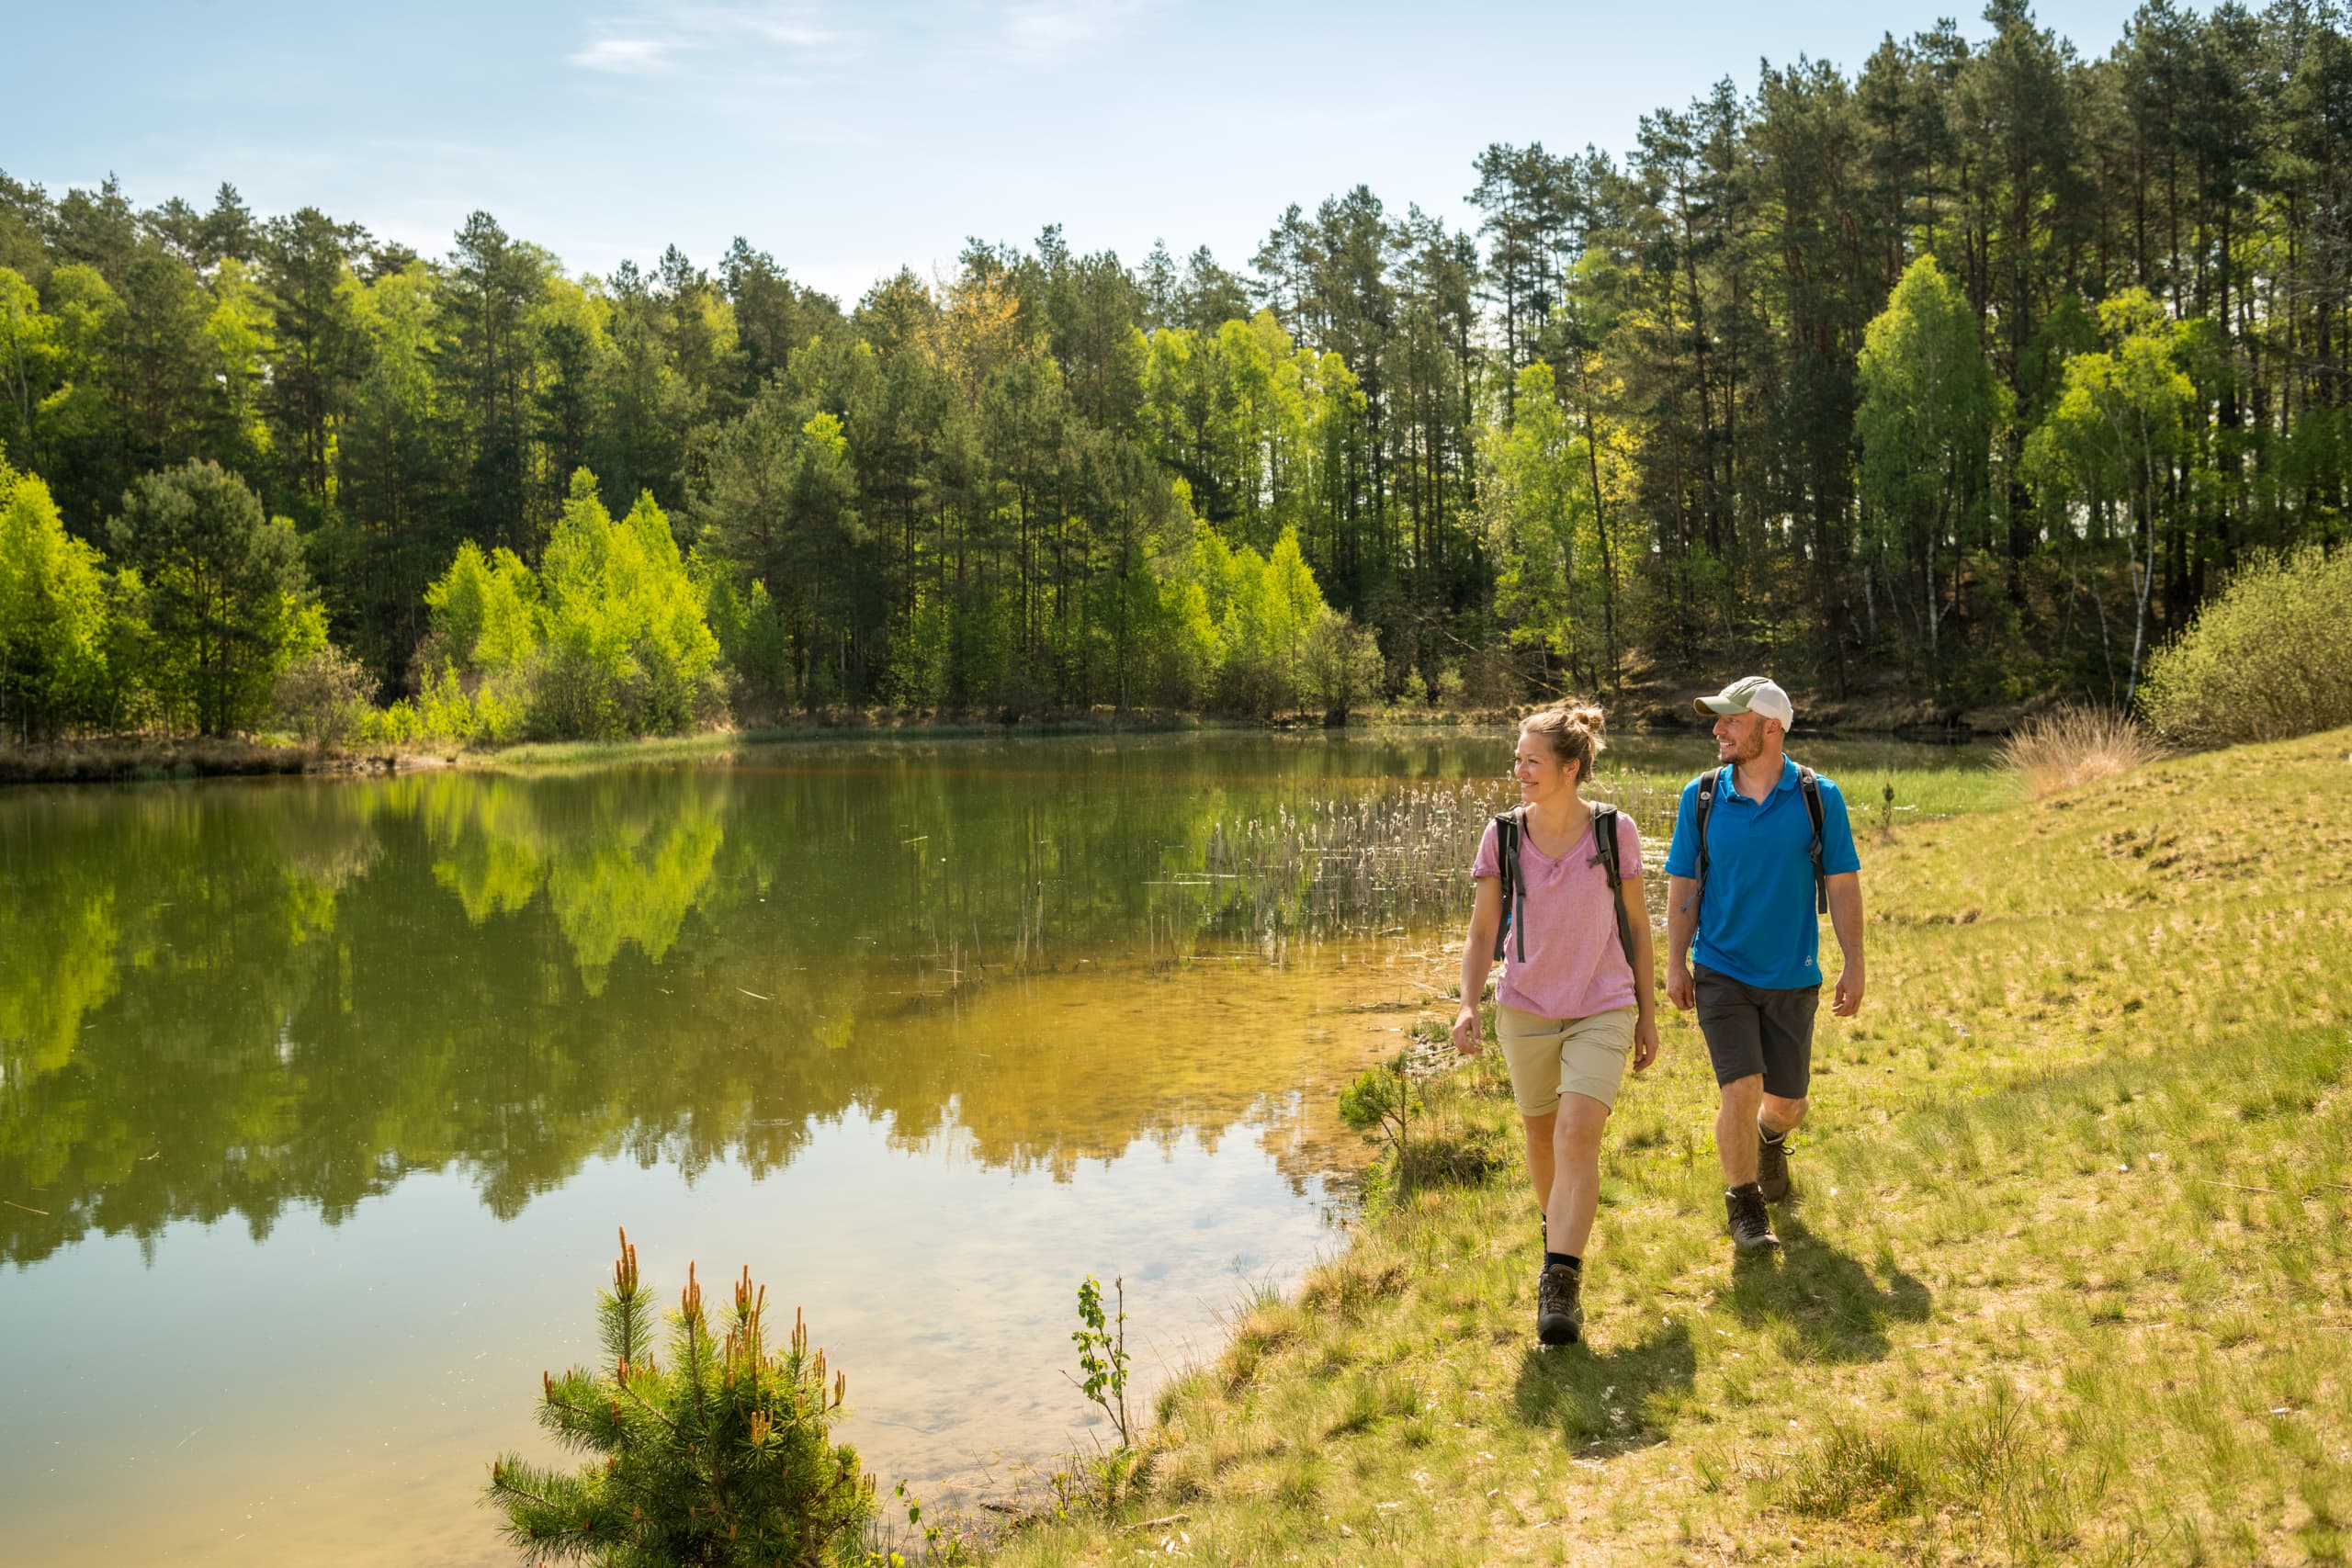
2066 1281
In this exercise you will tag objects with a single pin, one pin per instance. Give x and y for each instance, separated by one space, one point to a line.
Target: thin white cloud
626 56
1047 32
729 41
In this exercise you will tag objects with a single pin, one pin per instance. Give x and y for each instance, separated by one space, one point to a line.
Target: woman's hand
1645 1041
1466 1029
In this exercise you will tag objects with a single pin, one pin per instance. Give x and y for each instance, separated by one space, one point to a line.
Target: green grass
2066 1279
1921 793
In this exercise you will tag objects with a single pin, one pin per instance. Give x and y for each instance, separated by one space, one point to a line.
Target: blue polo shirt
1757 923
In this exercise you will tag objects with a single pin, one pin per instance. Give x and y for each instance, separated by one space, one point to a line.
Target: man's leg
1731 1018
1787 1033
1778 1115
1735 1128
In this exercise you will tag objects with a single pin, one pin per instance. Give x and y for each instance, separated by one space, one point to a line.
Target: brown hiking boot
1751 1227
1771 1164
1559 1311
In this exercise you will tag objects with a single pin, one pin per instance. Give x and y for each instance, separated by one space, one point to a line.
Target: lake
321 1099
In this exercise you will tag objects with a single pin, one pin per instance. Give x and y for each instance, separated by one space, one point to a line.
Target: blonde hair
1574 731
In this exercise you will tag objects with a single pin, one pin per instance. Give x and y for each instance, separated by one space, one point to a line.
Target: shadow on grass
1617 1397
1834 1308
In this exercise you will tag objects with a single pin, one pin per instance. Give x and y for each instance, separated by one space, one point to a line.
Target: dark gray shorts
1755 1029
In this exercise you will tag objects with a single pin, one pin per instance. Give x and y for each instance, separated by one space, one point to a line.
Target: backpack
1510 828
1808 785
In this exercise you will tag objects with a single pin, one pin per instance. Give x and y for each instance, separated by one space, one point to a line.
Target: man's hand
1849 992
1466 1029
1644 1043
1680 989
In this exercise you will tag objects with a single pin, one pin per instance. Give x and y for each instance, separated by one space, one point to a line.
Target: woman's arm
1637 921
1477 958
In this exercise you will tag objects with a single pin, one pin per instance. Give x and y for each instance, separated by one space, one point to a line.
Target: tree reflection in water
222 998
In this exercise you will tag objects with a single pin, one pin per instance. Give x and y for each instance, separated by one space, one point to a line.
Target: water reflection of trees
216 1001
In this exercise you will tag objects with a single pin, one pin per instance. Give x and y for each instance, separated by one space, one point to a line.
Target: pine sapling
714 1453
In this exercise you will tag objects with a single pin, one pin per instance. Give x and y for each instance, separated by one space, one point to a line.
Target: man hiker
1761 847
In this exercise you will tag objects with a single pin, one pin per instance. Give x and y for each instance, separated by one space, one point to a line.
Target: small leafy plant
717 1455
1381 1099
1101 1344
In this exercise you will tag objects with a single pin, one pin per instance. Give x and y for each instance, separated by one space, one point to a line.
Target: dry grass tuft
2073 745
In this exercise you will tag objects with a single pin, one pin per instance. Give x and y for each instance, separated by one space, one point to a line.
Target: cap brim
1717 706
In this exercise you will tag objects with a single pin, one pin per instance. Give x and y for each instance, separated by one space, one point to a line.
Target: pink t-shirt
1575 967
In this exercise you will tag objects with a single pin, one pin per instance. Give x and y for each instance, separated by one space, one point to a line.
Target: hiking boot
1559 1311
1751 1227
1771 1164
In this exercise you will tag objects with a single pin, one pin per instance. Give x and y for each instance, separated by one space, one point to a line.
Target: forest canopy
1966 375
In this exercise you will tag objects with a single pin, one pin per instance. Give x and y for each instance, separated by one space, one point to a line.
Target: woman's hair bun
1574 731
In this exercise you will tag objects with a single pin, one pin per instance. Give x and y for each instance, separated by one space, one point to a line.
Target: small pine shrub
2265 660
717 1455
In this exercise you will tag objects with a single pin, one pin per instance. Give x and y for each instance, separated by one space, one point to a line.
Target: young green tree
52 615
628 651
2111 442
227 599
486 612
1929 404
1534 509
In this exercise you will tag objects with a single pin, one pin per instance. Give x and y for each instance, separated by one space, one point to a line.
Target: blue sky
848 140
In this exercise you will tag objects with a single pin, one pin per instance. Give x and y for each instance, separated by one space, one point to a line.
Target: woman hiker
1575 995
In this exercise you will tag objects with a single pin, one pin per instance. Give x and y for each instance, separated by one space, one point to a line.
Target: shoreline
152 760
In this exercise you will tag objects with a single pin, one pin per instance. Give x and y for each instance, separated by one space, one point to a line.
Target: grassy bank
118 760
2065 1281
131 758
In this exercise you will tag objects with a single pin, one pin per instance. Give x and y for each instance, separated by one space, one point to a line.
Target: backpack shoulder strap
1509 826
1809 786
1604 845
1709 781
1604 855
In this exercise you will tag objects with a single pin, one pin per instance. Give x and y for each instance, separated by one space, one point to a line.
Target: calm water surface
320 1101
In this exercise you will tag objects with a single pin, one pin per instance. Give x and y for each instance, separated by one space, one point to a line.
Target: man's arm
1681 925
1845 918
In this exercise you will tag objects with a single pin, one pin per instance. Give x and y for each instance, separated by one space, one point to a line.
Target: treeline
1967 375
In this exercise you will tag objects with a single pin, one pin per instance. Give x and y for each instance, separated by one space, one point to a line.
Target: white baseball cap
1752 693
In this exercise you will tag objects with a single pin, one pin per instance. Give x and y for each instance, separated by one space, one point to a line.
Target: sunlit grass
2075 746
2066 1279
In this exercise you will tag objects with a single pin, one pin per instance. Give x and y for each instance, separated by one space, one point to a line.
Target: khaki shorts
1553 1056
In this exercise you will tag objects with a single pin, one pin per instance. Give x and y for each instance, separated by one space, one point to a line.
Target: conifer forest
1963 373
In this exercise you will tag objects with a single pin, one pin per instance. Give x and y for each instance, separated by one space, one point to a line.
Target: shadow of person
1617 1397
1834 1308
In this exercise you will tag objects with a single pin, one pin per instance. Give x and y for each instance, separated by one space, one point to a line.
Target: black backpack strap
1809 786
1509 826
1708 783
1604 855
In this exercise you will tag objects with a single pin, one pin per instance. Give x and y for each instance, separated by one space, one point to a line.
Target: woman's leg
1539 1156
1574 1161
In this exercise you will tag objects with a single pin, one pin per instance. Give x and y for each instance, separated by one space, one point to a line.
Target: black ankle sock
1744 1186
1768 1134
1575 1263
